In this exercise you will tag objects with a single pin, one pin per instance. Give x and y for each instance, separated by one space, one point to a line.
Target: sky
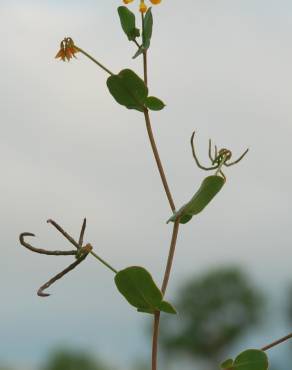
68 151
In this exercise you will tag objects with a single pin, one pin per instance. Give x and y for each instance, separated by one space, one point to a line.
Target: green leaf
210 186
154 103
139 52
146 310
147 30
167 307
138 287
251 359
128 23
227 364
128 89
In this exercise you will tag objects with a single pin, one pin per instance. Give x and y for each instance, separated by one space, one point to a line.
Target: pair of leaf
138 287
129 90
128 23
210 186
251 359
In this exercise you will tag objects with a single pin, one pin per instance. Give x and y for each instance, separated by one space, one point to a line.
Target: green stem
94 60
137 44
104 262
220 165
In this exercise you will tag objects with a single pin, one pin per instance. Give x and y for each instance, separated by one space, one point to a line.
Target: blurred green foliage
214 309
72 360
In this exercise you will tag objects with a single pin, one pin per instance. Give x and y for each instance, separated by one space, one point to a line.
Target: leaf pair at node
138 287
129 90
128 23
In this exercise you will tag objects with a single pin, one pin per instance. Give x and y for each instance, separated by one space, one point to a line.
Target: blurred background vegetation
216 311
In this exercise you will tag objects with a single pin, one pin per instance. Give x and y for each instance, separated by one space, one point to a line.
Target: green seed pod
210 186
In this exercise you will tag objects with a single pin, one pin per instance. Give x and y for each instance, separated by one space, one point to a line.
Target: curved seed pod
43 251
83 254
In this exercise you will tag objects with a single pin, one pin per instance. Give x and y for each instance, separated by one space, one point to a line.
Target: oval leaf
251 359
154 103
210 186
128 89
138 287
128 23
147 30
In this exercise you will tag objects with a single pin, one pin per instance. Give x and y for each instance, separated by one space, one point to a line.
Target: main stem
172 206
158 160
151 136
163 289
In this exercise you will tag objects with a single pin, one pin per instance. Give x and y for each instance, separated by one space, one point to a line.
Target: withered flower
67 49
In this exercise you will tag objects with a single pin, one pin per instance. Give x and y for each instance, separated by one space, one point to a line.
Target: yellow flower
143 7
67 49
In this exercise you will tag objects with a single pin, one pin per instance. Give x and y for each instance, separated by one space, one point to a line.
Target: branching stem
277 342
94 60
103 262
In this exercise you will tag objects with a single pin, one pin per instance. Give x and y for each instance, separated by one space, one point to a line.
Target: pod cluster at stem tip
67 50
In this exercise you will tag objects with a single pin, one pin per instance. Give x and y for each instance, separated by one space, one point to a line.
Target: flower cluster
143 7
67 49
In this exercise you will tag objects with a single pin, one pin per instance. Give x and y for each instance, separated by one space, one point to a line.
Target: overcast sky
68 151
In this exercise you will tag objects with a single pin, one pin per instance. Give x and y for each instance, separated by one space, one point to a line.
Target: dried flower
67 49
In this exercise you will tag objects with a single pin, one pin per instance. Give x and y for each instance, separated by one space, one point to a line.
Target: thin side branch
94 60
277 342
